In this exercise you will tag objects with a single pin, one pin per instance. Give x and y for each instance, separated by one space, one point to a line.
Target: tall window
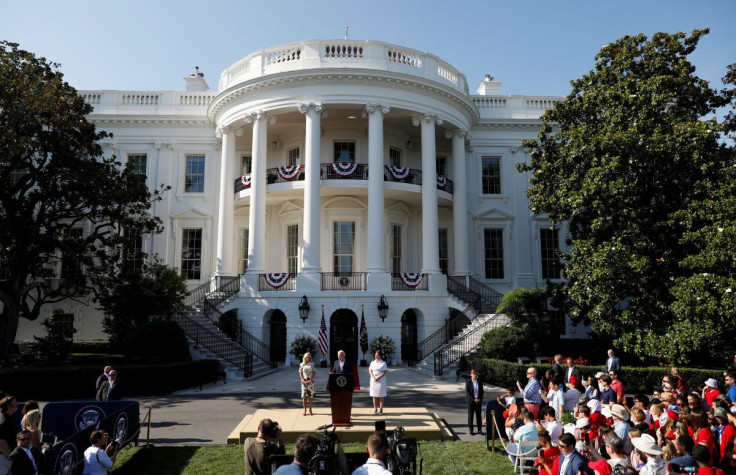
344 152
394 157
66 322
444 259
292 248
194 176
491 175
293 157
191 253
70 266
441 165
344 250
138 163
243 250
133 250
246 163
493 244
395 248
550 242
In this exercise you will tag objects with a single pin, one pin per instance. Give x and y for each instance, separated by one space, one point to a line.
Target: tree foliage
57 344
55 179
634 162
133 295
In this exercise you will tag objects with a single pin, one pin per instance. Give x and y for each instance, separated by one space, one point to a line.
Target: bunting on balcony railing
441 181
411 279
399 173
289 173
245 180
344 169
277 280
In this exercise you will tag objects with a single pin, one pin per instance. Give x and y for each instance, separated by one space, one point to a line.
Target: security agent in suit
474 400
25 459
110 390
612 363
571 371
570 462
341 366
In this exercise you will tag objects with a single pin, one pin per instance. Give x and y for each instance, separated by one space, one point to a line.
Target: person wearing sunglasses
25 459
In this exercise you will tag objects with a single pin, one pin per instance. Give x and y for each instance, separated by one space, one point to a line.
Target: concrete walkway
208 414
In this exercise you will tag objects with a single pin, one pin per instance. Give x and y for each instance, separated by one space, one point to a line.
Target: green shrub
78 382
301 345
158 340
384 345
56 345
505 343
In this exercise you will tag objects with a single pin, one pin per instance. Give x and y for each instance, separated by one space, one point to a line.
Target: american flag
323 335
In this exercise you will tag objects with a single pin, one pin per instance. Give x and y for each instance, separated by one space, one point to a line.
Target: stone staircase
206 341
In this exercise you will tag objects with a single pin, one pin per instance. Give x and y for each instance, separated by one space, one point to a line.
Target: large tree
65 206
633 161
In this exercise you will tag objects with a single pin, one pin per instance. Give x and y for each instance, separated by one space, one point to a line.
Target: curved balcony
345 171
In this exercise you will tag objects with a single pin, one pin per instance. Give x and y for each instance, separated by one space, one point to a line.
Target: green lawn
440 458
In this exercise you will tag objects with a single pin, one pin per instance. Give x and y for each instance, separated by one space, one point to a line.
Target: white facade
313 104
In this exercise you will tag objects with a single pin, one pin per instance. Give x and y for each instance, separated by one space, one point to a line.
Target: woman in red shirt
547 455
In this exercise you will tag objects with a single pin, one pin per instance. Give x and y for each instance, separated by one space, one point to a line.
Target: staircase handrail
223 347
439 338
489 295
457 287
229 284
443 358
256 347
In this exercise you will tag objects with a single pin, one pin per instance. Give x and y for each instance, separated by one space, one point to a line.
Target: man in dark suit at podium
341 366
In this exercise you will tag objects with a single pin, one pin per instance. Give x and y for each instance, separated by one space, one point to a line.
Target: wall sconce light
304 309
383 308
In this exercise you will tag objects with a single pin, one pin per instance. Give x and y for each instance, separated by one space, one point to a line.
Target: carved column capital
427 118
371 108
258 115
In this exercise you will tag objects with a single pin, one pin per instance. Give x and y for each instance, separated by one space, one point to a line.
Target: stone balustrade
155 103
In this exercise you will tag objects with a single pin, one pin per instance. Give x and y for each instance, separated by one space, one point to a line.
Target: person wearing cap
600 467
726 437
650 454
531 392
570 462
585 435
596 418
571 396
710 391
621 426
702 458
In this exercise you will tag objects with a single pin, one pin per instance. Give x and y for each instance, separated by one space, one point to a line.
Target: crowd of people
678 430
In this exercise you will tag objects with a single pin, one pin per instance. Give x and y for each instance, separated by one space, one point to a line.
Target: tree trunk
8 325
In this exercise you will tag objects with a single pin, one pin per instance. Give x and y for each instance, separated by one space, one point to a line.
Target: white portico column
376 221
225 260
312 204
430 232
257 216
460 203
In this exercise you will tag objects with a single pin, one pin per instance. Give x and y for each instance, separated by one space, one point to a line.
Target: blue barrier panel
64 419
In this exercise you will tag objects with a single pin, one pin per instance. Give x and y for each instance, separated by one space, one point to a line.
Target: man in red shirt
617 386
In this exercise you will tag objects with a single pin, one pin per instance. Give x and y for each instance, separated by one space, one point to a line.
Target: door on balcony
344 334
409 336
277 342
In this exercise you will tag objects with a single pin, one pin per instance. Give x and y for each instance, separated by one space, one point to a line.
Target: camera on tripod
402 456
325 460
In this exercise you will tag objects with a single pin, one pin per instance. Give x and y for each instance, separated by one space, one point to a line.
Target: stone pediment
191 213
494 213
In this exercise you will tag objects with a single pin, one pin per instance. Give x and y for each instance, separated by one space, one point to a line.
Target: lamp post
383 308
304 309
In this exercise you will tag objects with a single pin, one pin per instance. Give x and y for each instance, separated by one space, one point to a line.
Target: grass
439 458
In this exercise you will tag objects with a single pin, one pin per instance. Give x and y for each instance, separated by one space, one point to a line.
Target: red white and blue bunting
277 280
411 279
344 169
441 181
399 173
289 173
245 180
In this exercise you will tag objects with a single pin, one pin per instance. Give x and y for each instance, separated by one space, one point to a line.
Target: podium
341 388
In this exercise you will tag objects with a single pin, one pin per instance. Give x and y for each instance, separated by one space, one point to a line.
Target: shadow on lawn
157 461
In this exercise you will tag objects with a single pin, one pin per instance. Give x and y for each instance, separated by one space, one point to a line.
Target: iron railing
456 286
464 344
264 286
222 346
344 280
254 346
326 172
491 298
443 335
398 284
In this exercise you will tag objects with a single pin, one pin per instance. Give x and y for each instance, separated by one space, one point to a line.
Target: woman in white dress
377 372
307 375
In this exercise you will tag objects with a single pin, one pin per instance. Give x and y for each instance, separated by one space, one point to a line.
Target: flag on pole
363 333
323 335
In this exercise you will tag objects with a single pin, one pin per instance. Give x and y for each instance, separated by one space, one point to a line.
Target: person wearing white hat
710 391
621 425
649 453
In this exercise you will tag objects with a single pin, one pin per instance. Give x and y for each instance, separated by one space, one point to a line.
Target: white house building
367 172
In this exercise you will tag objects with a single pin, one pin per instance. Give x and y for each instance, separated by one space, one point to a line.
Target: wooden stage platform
416 421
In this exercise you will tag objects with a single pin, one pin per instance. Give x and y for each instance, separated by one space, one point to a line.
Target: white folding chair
522 456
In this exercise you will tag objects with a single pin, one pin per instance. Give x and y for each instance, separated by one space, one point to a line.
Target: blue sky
534 47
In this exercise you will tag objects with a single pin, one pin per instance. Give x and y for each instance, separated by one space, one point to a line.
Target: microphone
324 427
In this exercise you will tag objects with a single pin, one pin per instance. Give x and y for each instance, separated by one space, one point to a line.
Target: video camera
402 456
325 461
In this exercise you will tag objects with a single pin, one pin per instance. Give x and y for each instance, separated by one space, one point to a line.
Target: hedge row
78 382
636 380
